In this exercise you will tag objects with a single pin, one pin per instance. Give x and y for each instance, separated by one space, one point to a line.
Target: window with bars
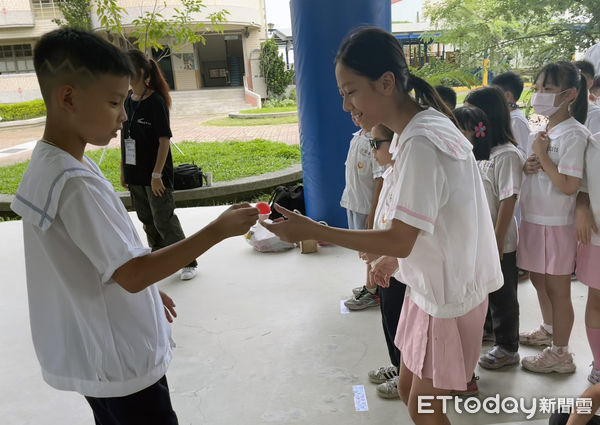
46 9
16 58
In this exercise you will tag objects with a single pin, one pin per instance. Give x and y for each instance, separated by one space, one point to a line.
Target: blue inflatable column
318 28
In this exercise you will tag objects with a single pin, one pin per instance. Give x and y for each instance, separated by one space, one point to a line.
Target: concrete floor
261 340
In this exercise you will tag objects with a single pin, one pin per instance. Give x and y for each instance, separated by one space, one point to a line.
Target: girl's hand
382 269
541 144
586 225
295 228
158 188
169 306
532 165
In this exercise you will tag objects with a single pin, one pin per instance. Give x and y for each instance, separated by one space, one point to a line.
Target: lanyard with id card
129 141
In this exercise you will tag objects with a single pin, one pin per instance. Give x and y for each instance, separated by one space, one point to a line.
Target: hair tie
480 130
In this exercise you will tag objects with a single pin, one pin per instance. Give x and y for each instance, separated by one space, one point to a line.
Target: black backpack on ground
187 176
290 197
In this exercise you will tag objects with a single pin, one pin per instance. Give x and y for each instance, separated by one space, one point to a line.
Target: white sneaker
389 389
188 273
594 376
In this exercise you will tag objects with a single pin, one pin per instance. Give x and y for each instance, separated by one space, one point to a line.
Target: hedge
22 111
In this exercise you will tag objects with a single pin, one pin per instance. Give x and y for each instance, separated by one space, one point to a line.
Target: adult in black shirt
146 163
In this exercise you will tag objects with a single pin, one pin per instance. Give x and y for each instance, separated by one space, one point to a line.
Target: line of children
439 202
363 184
98 322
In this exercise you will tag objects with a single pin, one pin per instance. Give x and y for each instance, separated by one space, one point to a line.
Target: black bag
290 197
187 176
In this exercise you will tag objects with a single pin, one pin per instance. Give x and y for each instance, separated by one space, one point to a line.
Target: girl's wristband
156 175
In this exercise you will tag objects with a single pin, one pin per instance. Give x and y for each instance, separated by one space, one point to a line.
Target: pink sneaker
548 361
539 336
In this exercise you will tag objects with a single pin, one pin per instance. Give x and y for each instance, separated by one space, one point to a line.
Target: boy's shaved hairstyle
75 57
511 82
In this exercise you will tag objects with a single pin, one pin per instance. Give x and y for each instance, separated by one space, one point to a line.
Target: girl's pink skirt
547 249
443 350
588 265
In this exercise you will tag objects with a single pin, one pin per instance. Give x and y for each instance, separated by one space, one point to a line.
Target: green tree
153 27
437 72
76 13
272 67
532 32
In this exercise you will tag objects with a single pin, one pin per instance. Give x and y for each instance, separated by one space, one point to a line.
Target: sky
278 12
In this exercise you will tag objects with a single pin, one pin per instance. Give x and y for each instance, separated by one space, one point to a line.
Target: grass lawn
226 160
240 122
270 110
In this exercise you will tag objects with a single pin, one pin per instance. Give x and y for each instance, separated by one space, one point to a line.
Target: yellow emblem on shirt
361 165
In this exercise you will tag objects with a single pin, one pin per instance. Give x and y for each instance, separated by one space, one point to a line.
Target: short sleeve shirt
439 191
361 171
591 183
593 118
520 129
541 201
147 121
502 175
90 335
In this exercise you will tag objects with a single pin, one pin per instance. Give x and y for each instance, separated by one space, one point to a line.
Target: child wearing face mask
547 236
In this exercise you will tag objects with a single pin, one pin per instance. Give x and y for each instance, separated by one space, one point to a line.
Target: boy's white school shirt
454 263
593 118
361 171
90 335
502 175
520 128
541 201
591 181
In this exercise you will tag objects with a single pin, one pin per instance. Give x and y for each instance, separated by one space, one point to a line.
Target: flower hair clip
480 130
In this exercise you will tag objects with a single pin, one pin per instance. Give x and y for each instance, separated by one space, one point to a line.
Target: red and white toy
263 210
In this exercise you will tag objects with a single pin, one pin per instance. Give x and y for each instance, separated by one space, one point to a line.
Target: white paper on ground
343 308
360 398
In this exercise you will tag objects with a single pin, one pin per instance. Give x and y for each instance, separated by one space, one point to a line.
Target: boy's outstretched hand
236 220
295 228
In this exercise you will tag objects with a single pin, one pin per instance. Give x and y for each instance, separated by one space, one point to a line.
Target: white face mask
543 103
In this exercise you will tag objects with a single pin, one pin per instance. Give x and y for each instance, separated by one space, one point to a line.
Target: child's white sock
547 327
560 350
371 290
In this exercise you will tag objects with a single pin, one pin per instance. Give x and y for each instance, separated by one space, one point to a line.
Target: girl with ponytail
146 162
437 204
547 236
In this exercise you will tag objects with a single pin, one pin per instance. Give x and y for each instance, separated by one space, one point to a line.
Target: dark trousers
562 419
156 213
150 406
390 302
503 312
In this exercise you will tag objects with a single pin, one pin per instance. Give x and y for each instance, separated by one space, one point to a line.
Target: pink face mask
543 103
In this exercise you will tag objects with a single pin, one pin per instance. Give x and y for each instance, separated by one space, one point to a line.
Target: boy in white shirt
512 85
363 184
97 319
